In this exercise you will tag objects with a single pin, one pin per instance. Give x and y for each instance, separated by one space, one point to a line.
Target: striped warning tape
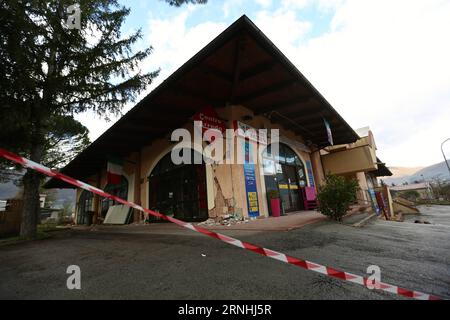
331 272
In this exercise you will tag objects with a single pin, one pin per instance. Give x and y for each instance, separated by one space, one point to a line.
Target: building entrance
178 190
286 175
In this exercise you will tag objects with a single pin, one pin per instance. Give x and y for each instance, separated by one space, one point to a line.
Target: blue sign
373 197
250 183
310 173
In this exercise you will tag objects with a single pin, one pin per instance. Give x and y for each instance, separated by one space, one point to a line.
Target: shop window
179 190
285 173
85 203
118 190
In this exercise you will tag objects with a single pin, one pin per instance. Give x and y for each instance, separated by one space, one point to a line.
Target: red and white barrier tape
331 272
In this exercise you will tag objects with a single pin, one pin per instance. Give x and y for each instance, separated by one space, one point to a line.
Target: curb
364 221
302 263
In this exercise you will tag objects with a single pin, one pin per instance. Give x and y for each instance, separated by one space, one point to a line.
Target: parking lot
163 261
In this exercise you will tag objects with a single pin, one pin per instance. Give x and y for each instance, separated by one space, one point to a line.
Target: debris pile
423 222
225 220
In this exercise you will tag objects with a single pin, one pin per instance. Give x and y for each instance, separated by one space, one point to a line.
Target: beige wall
362 182
319 173
351 160
225 182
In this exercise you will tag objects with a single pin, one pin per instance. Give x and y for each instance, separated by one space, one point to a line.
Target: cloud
385 64
231 5
282 27
380 63
174 43
322 5
264 3
294 4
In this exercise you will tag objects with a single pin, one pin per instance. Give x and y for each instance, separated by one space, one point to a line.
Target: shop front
285 175
239 80
178 190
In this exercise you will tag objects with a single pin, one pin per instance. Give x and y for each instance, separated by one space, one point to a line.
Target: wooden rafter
266 90
283 105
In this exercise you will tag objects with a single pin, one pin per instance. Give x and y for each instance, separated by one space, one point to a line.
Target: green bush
411 195
336 196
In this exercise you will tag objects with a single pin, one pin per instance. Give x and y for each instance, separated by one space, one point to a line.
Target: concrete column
362 181
96 200
318 172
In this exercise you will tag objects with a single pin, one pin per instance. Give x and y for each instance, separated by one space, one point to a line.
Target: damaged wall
226 192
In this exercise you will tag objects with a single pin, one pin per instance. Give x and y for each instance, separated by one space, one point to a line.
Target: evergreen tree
50 71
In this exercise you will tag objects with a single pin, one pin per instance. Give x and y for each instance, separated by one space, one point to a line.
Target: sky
380 63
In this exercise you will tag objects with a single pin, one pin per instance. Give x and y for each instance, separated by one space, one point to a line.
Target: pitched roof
241 66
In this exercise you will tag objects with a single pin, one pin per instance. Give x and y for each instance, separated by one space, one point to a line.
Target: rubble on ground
422 221
225 220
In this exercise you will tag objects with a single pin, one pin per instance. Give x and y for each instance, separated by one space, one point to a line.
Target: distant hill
409 174
399 172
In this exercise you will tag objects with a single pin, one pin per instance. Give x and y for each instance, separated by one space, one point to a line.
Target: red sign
210 120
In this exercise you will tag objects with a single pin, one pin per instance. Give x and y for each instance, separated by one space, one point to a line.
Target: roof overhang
382 170
241 66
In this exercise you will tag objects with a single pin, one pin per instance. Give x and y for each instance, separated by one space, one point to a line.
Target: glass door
283 187
292 181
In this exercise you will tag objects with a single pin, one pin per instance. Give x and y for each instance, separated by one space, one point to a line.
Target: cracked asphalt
163 261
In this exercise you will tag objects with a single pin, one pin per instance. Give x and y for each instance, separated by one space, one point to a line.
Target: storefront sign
210 120
373 197
269 166
250 184
243 130
310 173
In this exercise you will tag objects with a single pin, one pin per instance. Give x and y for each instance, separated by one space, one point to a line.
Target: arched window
285 173
119 190
179 190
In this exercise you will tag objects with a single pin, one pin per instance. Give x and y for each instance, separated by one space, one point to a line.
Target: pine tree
50 71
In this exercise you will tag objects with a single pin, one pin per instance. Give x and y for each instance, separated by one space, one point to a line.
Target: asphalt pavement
164 261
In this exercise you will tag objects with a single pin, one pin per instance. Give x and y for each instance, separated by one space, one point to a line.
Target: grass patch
43 232
40 235
47 227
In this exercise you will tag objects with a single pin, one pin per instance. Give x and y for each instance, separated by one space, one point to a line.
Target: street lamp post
443 153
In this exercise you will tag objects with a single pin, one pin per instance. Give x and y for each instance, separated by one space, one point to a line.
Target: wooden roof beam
208 69
145 128
159 119
202 96
239 49
279 106
257 69
267 90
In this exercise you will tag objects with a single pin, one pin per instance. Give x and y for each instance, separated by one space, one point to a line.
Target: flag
329 134
114 170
